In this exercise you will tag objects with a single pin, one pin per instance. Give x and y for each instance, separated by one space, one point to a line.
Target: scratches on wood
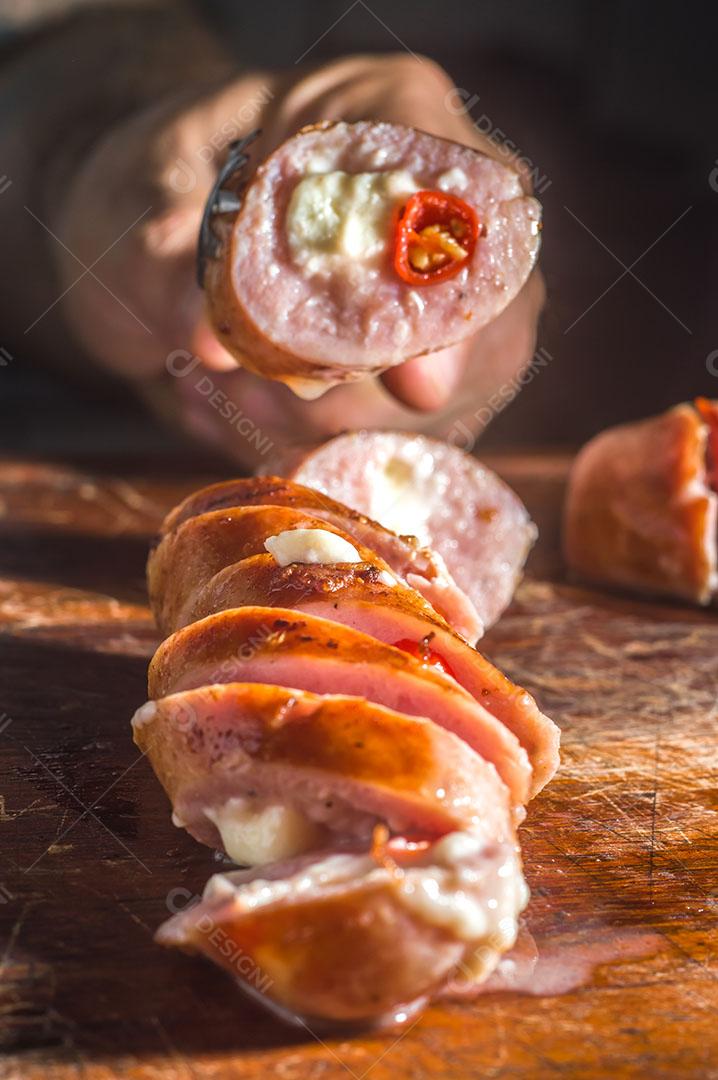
654 807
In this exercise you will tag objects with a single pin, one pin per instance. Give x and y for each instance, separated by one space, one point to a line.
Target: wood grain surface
621 851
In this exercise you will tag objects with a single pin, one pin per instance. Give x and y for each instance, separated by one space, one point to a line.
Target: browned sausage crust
324 725
640 512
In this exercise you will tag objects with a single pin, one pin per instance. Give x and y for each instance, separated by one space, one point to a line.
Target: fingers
147 303
205 345
396 87
474 371
427 383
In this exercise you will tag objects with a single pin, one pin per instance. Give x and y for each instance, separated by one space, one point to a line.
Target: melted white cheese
403 491
310 546
463 884
256 834
452 909
344 215
335 869
472 889
453 180
454 847
219 887
144 715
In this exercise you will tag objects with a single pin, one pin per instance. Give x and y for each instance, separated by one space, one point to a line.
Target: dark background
615 105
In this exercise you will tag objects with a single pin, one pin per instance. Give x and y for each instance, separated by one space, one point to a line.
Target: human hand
156 170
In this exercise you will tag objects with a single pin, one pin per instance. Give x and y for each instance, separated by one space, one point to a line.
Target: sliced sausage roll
283 648
192 575
317 720
419 566
267 772
191 555
358 246
396 616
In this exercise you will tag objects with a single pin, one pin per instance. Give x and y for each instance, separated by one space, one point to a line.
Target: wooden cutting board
621 851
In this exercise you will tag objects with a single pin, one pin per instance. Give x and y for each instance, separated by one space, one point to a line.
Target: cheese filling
454 180
338 217
474 890
310 546
256 834
477 895
403 491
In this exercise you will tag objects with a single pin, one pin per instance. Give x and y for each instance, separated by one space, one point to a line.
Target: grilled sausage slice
280 647
340 764
364 938
417 565
355 597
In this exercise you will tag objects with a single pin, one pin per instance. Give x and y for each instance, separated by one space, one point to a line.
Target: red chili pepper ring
423 651
434 237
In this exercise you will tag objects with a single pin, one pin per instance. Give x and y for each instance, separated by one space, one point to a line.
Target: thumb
212 353
427 383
